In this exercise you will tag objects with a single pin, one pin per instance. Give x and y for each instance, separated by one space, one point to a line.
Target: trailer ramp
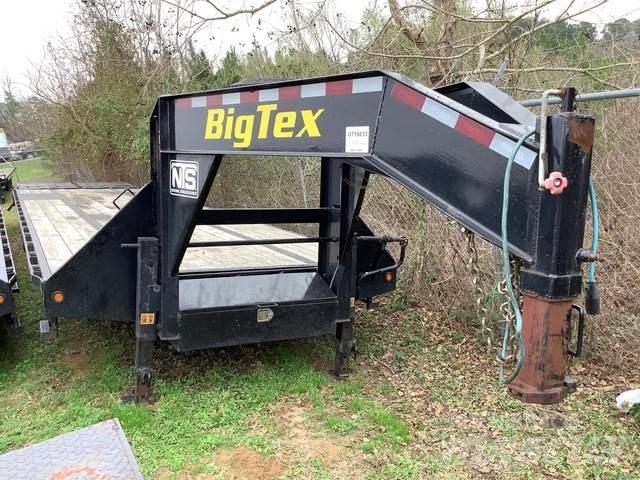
100 451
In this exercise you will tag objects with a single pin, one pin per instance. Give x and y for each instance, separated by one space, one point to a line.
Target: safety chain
505 357
481 311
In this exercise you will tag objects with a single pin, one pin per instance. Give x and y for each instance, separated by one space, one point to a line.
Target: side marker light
57 297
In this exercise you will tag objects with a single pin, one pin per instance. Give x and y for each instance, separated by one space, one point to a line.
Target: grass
423 402
34 170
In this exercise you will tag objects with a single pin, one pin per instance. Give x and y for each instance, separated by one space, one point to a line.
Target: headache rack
450 147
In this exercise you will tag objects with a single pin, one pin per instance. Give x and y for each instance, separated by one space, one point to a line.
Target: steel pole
586 97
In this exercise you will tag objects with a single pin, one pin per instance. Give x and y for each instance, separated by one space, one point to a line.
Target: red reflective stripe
408 95
339 87
214 100
183 102
249 96
289 93
474 130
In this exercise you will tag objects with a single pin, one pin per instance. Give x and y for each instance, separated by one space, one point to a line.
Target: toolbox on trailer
194 276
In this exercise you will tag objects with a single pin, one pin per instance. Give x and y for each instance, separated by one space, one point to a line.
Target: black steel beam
262 241
241 216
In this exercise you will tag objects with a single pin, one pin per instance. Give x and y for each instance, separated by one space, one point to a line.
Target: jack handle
580 333
403 241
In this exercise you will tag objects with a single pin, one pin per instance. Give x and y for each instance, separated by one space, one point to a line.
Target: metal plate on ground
98 452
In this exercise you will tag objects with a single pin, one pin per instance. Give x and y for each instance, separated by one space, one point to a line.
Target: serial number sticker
147 318
356 139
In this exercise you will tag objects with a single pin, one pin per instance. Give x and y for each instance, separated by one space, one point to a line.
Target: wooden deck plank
54 246
66 219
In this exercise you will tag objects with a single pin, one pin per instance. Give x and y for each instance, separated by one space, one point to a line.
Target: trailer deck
59 219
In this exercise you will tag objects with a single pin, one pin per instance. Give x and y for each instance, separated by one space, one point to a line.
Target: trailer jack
146 325
345 348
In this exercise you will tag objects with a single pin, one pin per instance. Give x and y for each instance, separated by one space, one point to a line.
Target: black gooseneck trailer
448 146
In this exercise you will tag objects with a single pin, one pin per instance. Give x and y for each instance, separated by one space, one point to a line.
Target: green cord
593 198
506 268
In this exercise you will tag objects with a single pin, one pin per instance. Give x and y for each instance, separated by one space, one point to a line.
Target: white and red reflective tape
466 126
430 107
292 92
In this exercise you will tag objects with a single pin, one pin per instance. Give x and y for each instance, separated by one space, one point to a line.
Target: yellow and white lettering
243 131
213 130
284 124
310 127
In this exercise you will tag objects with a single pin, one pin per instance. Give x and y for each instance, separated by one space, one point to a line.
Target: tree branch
222 14
432 8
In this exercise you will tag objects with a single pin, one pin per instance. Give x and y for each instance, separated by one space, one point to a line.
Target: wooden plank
53 244
67 218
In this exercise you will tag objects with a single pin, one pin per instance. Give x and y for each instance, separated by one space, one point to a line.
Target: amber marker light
58 297
388 276
2 299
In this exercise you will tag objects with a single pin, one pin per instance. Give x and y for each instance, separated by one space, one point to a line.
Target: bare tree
452 42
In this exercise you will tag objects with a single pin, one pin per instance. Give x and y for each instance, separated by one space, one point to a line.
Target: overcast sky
27 25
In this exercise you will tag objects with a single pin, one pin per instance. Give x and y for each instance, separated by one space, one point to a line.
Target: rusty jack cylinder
545 335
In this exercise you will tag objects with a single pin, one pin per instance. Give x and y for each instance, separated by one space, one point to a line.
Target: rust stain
78 473
581 132
545 333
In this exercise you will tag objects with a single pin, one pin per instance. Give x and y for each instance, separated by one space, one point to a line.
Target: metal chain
481 311
508 317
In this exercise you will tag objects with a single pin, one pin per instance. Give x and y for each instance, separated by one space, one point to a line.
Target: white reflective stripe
268 95
230 98
504 146
198 102
313 90
363 85
525 157
440 112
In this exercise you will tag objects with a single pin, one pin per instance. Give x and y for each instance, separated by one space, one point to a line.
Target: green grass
432 410
34 170
51 388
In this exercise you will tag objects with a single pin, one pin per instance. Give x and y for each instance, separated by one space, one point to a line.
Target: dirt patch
244 463
304 443
76 356
79 363
302 439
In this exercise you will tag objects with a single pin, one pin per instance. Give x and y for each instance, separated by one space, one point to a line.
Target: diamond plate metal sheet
98 452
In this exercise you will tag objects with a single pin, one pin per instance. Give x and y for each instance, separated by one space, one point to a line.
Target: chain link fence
436 272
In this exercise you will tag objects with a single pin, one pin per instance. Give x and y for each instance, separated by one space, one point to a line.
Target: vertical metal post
349 211
555 279
147 310
328 252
